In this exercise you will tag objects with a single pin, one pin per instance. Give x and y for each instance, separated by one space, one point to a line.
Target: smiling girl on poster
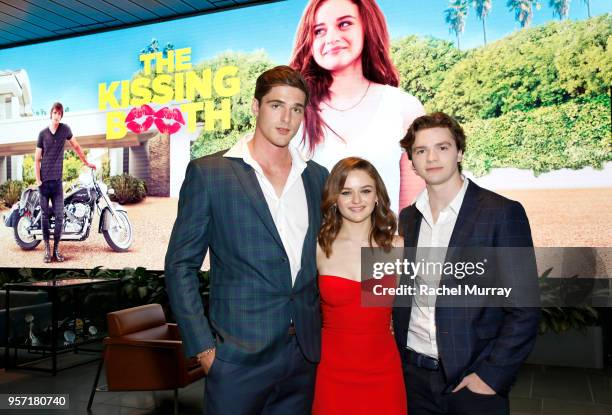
356 108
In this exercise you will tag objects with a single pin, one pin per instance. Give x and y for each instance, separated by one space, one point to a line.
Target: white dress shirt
290 210
422 326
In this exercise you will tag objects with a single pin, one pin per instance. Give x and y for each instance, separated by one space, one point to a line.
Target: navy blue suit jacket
252 300
491 342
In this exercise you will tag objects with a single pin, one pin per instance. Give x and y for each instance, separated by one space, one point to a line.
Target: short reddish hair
57 106
375 59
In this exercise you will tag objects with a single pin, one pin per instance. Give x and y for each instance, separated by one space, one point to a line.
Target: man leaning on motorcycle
48 164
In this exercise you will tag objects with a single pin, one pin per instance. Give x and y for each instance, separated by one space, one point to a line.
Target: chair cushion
135 319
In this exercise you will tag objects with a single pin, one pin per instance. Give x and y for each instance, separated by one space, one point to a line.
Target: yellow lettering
106 96
191 111
211 114
125 94
168 62
202 85
232 84
146 60
162 86
115 125
141 94
183 59
179 86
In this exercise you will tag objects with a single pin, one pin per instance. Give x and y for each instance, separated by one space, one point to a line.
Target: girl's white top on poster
371 130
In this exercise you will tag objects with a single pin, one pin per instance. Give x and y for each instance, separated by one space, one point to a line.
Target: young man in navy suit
459 360
256 209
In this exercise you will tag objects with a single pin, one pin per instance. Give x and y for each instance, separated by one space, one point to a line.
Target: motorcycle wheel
22 237
118 235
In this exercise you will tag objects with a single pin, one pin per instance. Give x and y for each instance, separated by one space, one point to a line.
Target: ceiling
25 22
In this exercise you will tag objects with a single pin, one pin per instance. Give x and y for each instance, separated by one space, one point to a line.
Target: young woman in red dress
360 370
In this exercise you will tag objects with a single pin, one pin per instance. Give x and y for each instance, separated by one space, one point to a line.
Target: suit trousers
425 393
284 385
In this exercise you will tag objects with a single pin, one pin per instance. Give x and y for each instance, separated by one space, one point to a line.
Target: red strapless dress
360 370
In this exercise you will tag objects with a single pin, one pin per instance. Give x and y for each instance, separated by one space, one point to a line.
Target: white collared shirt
290 210
422 326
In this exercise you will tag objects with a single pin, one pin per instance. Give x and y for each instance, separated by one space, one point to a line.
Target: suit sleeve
520 325
401 225
186 250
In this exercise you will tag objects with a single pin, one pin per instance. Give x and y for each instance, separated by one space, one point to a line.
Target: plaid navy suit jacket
252 301
491 342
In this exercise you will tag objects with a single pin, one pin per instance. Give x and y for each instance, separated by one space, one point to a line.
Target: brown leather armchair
144 352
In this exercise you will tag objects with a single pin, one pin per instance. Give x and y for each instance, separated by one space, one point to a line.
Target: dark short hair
279 75
433 120
58 107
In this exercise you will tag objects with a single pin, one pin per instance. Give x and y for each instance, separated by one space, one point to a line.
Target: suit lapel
465 218
314 203
413 226
250 185
313 200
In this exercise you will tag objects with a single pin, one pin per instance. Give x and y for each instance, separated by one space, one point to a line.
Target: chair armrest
160 344
174 331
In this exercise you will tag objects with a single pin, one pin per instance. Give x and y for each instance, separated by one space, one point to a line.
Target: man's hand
475 384
90 165
206 359
38 183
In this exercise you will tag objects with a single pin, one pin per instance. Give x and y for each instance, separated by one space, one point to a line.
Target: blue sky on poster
70 70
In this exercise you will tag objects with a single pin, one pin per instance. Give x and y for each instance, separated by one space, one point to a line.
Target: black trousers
284 385
52 191
425 393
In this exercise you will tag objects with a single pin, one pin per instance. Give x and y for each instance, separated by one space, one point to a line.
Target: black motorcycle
80 204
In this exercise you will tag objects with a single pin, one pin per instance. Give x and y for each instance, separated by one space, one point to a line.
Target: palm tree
523 10
560 8
483 7
588 4
455 16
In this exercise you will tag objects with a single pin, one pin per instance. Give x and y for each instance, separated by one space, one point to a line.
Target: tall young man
459 360
48 166
256 209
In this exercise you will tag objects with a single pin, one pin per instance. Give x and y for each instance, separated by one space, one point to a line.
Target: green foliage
72 166
423 64
572 135
128 189
250 66
584 63
138 285
106 170
560 319
543 66
27 171
10 192
24 275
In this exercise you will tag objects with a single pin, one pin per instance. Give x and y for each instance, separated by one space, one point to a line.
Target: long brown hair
383 219
375 60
